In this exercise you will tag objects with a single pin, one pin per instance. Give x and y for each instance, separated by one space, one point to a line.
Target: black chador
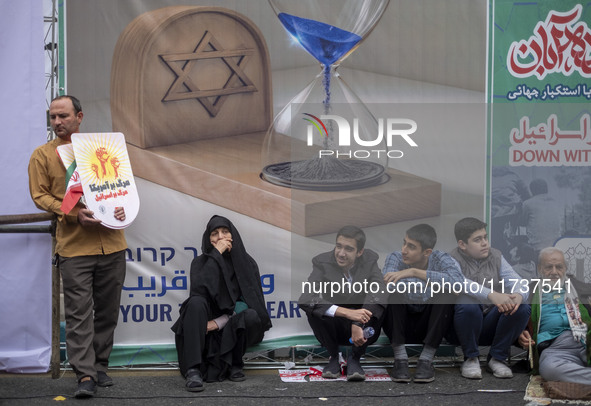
221 284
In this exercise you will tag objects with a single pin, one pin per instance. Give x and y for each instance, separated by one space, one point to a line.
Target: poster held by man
106 176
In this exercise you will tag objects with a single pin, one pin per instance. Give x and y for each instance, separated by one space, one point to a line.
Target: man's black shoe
354 370
86 389
333 369
400 371
193 380
104 380
424 372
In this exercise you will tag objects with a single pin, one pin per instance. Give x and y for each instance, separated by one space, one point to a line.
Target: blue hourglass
313 142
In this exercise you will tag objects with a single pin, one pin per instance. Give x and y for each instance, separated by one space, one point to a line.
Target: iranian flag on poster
73 185
106 176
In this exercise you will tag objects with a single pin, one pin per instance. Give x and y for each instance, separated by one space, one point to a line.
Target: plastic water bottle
367 333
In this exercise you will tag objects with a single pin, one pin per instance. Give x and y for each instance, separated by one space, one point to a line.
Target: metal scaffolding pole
50 23
51 47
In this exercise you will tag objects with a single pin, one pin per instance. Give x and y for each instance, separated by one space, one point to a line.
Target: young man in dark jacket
343 296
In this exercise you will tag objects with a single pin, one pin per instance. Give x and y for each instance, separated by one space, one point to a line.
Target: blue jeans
473 327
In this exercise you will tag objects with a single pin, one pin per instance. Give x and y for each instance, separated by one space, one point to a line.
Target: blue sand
324 42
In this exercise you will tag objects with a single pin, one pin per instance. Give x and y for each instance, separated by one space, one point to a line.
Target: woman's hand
212 326
223 245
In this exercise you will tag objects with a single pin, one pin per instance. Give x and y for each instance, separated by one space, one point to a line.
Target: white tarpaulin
25 273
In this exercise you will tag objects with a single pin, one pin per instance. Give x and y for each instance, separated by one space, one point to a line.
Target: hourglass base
239 187
326 174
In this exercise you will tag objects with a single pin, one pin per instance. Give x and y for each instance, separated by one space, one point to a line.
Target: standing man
417 314
344 295
90 257
490 312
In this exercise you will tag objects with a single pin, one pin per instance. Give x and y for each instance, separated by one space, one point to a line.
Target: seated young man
418 315
340 314
484 314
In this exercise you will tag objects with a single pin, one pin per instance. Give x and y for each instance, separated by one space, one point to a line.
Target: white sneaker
499 369
471 368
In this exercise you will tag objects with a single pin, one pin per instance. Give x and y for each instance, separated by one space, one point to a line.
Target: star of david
183 87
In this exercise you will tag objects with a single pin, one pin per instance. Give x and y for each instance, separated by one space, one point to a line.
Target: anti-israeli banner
195 89
539 88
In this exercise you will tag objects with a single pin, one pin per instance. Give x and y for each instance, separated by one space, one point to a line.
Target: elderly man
559 323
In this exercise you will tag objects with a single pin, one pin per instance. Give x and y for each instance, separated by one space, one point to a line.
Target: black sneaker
333 369
104 380
194 381
86 389
400 371
425 372
354 370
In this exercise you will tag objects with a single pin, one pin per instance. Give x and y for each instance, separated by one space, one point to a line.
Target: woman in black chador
225 312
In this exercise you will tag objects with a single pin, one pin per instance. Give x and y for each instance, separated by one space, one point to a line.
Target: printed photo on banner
539 87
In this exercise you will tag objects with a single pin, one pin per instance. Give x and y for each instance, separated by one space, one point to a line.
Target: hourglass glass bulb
294 153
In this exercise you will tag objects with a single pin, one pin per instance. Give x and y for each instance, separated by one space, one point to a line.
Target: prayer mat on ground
314 374
543 392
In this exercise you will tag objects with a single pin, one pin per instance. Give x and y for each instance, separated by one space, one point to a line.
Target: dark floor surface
264 387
